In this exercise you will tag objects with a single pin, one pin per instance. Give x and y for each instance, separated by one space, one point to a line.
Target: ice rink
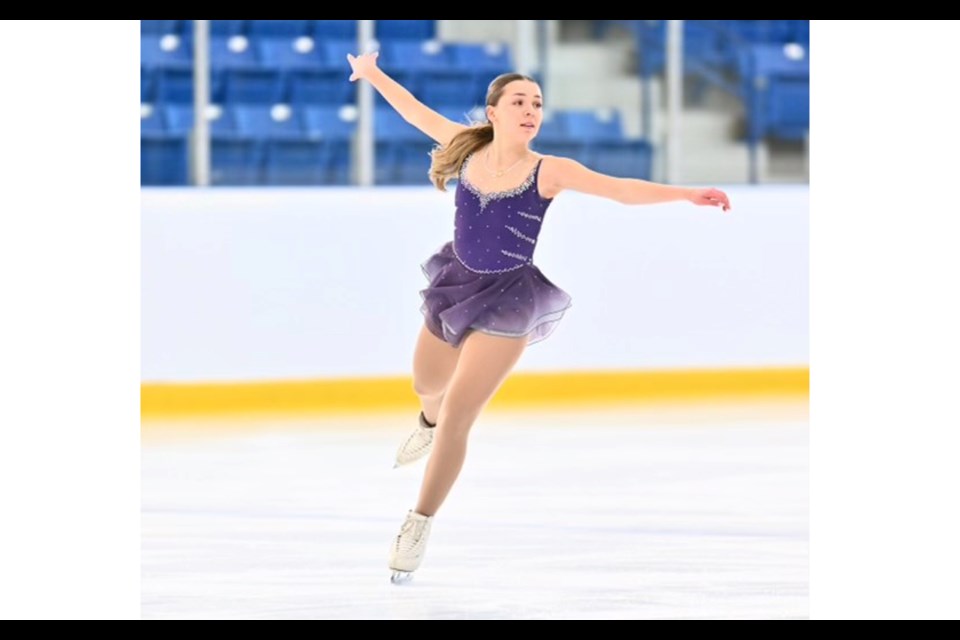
620 513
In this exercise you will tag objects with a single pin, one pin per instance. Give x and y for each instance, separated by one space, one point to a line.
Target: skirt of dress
516 304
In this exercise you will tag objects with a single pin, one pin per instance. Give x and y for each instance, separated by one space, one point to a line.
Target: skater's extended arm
564 173
412 110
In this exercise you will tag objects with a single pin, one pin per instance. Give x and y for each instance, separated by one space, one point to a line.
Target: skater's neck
503 154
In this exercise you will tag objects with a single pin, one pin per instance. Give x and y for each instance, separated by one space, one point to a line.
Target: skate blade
399 577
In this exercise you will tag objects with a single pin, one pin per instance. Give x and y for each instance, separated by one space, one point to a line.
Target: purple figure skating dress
484 279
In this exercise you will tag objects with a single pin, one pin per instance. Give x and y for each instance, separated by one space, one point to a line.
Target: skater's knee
431 383
427 389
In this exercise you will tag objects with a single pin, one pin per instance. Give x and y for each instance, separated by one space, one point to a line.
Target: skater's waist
490 259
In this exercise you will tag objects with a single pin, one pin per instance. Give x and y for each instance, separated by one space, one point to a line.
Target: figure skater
486 301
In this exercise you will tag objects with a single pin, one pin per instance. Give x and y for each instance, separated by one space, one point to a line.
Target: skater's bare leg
485 361
434 362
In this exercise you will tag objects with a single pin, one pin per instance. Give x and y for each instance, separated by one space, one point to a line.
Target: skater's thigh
434 362
485 362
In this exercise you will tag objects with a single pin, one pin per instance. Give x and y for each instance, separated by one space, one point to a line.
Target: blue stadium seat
176 86
160 27
789 109
621 158
163 155
402 150
327 128
776 87
598 142
280 53
268 122
225 56
407 164
235 161
228 27
553 139
320 86
589 126
165 51
448 88
170 60
244 78
327 123
428 70
484 61
163 159
328 84
772 59
253 86
490 59
335 54
336 29
151 120
298 162
762 31
799 32
419 55
390 125
178 119
290 28
288 157
405 29
147 85
552 128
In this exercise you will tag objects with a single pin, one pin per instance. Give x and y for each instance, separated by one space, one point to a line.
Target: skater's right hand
362 65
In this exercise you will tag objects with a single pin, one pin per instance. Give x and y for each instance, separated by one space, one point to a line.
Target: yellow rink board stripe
521 390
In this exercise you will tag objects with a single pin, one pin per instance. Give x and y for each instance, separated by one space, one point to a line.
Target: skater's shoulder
547 174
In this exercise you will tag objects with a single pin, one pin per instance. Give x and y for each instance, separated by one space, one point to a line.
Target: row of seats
275 70
326 53
306 88
383 29
252 144
249 161
292 121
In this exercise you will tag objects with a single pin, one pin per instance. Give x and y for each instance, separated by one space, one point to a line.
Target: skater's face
519 111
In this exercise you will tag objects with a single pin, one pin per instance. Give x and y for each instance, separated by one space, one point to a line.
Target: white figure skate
406 552
418 444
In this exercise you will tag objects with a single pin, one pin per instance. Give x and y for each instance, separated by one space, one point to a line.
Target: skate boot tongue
417 445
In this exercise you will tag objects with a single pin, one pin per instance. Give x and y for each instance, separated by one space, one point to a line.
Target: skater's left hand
712 197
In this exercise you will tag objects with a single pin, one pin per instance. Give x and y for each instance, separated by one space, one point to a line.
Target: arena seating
282 111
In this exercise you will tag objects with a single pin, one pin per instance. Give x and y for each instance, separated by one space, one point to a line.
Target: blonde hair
447 160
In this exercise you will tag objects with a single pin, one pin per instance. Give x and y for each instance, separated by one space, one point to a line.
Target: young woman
486 301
